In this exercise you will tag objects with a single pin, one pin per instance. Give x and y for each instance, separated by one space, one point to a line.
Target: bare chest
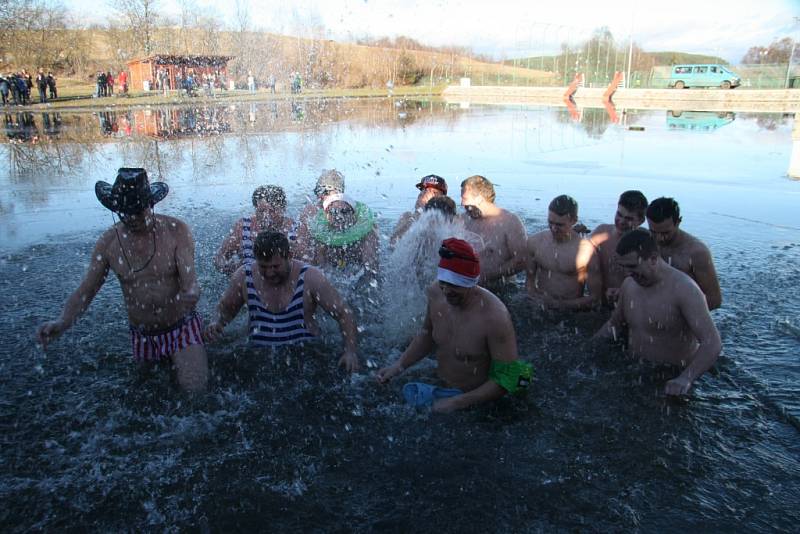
458 334
275 300
493 234
652 313
143 260
558 257
678 259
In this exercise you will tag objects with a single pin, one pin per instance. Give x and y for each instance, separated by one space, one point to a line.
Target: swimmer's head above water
476 191
273 257
132 197
637 255
459 270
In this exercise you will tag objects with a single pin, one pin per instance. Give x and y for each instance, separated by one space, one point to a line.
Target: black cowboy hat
131 192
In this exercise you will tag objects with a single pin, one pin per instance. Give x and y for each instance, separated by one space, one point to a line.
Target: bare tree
141 18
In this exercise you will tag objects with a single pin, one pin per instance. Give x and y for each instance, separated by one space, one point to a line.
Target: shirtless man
470 329
282 295
629 216
270 204
429 187
153 258
560 262
664 311
682 250
502 232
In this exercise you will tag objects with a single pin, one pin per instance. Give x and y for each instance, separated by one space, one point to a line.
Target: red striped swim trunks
159 345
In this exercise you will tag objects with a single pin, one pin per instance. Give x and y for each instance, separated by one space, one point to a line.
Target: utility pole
791 55
630 53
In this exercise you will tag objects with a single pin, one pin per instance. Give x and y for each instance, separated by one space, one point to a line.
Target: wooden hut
176 66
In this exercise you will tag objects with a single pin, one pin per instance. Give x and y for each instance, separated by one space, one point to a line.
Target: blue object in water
421 395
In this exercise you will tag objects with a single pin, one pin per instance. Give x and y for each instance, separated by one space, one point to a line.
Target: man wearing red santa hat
471 332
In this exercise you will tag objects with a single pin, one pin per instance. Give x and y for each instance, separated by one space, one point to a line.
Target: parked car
703 121
708 75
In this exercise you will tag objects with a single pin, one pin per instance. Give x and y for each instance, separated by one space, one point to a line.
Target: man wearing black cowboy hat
429 187
153 258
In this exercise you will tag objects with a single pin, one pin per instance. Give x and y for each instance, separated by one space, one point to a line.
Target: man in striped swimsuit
153 258
269 202
282 295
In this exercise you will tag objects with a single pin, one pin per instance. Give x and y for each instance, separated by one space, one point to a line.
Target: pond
284 440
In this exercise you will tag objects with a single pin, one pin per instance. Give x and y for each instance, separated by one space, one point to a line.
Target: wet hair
442 203
639 241
271 193
269 243
480 185
564 205
634 201
662 208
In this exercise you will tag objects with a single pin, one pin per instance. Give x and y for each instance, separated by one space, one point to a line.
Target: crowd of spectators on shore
105 81
16 87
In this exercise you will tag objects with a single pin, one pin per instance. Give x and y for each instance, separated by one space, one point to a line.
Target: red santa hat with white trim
459 264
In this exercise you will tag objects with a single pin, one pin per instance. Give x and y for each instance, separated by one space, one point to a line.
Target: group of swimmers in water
657 285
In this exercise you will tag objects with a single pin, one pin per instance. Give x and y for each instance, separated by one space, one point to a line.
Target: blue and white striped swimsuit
247 254
269 329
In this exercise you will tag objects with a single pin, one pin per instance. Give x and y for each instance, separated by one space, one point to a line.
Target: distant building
176 66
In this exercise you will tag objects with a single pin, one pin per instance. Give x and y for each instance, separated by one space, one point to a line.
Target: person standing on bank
153 258
51 84
41 85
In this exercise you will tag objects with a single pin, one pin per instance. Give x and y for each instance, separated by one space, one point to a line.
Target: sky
512 28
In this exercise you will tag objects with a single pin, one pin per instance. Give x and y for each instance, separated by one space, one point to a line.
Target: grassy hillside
675 58
322 63
658 59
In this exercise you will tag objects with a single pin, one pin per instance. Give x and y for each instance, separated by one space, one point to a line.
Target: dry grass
76 95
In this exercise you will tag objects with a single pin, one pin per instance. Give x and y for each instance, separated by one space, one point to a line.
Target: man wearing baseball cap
471 333
153 258
429 186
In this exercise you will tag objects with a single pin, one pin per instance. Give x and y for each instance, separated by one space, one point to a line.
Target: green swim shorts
514 376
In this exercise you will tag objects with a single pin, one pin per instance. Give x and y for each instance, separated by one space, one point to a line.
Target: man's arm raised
79 300
324 294
695 313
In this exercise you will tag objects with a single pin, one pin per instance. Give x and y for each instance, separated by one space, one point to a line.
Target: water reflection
698 120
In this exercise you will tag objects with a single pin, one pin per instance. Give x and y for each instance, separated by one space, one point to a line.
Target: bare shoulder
601 234
493 309
173 225
696 248
107 238
238 276
313 277
684 286
538 239
510 219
